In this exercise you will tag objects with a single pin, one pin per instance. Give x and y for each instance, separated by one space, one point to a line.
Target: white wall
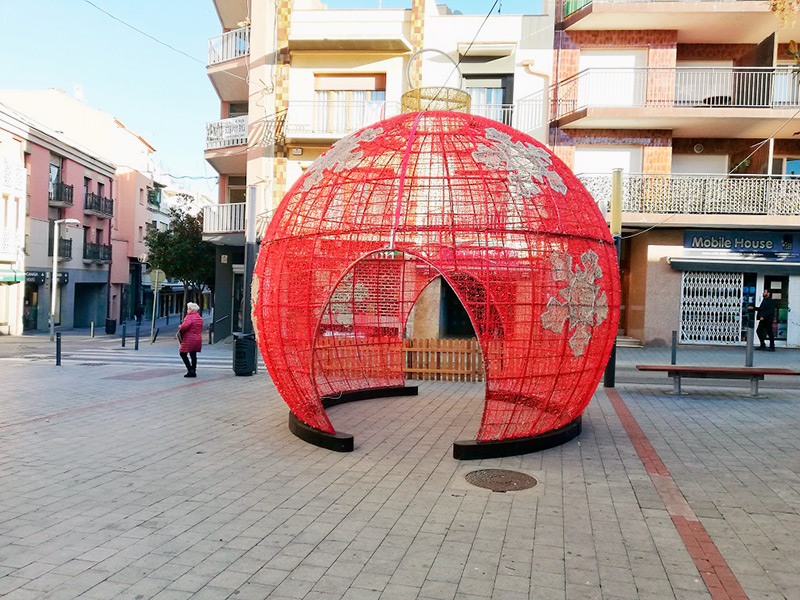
712 164
602 159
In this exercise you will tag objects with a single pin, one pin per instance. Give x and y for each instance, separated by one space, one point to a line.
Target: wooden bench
754 374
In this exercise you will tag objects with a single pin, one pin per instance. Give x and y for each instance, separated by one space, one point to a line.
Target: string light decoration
390 208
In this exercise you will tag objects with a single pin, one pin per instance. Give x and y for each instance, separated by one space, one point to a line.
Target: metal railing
231 44
699 194
64 248
504 113
729 87
224 218
97 252
61 195
226 132
336 117
98 205
571 6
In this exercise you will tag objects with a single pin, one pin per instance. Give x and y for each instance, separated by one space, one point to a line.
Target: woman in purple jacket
191 336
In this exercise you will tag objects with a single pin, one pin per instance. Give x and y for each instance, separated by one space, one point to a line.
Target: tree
787 10
181 252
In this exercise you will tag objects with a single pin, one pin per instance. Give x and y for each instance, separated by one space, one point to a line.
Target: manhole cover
501 480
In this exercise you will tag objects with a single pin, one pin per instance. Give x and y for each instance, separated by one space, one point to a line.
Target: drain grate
500 480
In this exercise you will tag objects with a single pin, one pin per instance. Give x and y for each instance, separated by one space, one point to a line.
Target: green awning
11 276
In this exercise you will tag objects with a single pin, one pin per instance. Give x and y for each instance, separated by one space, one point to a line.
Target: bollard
58 349
124 331
91 329
136 342
167 323
748 356
155 335
674 360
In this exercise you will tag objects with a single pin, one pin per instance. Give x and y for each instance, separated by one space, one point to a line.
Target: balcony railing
100 253
61 194
224 218
12 176
504 113
64 248
229 45
336 117
729 87
700 194
10 242
571 6
227 132
95 204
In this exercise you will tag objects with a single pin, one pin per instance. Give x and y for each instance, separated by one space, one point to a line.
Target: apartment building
12 229
294 77
137 190
62 180
697 103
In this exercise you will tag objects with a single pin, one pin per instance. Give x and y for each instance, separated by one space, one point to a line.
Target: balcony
229 45
64 248
61 195
97 253
726 100
226 145
228 55
226 133
97 205
10 243
330 31
224 223
701 199
330 120
696 21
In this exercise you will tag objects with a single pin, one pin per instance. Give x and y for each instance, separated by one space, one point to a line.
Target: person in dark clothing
766 314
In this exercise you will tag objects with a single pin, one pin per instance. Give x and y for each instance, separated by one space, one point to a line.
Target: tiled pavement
162 487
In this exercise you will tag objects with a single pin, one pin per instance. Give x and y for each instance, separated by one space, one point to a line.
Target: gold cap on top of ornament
434 98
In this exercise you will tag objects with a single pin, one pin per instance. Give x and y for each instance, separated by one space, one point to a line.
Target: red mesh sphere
388 209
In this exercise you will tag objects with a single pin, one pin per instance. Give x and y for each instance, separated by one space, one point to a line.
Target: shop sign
738 241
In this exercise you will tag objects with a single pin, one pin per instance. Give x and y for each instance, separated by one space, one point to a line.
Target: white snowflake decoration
582 306
344 154
528 165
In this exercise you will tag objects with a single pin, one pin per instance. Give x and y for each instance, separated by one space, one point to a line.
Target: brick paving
126 482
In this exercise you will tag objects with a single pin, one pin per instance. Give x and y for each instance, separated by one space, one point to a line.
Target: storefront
10 280
36 302
724 273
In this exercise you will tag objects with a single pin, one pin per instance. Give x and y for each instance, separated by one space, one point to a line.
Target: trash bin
244 353
111 326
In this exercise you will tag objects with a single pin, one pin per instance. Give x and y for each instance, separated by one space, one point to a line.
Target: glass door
779 286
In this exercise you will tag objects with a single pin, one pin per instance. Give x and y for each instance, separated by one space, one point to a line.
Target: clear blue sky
158 93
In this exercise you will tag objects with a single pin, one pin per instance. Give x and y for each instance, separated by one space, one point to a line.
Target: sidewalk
167 488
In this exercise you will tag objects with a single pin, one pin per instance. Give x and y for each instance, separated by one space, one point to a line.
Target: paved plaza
121 479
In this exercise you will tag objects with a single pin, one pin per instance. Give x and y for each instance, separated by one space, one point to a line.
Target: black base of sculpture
343 442
471 449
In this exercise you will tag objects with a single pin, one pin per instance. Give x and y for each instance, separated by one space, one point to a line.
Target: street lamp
54 283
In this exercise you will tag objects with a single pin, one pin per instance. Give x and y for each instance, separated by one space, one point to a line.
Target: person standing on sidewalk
766 314
190 334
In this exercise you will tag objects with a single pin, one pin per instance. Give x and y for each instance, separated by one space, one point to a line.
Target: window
55 174
491 96
237 109
87 183
343 103
788 167
99 236
141 233
100 189
141 196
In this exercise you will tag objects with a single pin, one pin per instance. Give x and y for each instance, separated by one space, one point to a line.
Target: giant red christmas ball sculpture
388 209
